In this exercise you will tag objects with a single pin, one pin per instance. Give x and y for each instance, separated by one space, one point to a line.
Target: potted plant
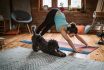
62 8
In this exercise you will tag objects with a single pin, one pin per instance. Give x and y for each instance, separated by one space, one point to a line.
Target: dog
50 47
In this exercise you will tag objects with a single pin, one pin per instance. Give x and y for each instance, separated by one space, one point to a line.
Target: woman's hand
87 46
76 51
82 40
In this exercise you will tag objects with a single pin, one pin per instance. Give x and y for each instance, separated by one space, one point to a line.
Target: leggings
48 23
43 28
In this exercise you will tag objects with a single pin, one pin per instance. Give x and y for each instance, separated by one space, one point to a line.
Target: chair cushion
21 15
87 28
80 29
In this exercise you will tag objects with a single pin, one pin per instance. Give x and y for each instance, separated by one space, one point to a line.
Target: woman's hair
72 28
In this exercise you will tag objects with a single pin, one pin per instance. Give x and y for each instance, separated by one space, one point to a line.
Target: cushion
87 28
80 29
21 15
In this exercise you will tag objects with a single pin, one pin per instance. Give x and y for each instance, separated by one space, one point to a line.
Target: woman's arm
80 39
64 34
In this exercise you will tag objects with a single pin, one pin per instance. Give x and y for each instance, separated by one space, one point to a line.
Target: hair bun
73 24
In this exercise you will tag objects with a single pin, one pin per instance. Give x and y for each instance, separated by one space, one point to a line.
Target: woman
57 18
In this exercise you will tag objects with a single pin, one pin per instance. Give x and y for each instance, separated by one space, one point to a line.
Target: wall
5 12
78 17
21 5
5 8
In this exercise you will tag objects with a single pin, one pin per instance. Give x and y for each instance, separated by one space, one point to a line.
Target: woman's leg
48 22
40 28
46 29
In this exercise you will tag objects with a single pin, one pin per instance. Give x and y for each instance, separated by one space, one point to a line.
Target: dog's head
53 44
35 37
33 28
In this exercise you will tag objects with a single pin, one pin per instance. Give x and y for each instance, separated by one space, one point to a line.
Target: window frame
63 7
74 8
42 3
54 5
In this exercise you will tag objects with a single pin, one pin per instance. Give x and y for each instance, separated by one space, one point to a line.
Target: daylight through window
47 2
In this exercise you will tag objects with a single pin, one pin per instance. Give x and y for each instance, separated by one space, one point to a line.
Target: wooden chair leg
28 28
18 29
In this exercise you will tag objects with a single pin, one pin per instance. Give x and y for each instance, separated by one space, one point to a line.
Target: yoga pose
50 47
57 18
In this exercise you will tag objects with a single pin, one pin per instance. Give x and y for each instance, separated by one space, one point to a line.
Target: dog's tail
33 27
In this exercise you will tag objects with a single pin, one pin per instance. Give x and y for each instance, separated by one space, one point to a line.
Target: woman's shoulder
59 13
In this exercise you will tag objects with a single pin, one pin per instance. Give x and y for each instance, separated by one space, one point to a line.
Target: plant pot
62 9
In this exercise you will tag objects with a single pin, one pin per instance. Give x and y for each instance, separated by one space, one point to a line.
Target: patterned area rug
64 46
20 58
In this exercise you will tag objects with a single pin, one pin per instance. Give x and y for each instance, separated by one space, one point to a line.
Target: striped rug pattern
20 58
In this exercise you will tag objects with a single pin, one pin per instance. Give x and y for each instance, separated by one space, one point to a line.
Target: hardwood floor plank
14 41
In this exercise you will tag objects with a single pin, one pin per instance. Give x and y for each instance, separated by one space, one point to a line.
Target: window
67 4
75 3
47 2
62 3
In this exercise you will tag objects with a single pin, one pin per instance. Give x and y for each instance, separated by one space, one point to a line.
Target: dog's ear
53 44
33 28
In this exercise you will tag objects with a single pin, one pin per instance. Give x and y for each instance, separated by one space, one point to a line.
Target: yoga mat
26 41
83 50
64 46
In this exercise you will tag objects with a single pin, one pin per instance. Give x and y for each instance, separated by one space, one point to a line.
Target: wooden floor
98 55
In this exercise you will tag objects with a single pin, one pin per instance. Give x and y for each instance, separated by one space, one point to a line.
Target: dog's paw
61 54
58 53
36 49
